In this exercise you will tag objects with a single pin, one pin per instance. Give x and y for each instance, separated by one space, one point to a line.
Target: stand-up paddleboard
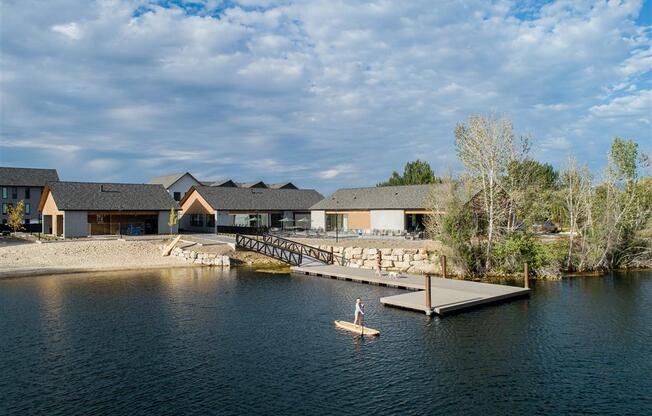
358 329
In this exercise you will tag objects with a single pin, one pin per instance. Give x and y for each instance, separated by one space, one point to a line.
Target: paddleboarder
359 312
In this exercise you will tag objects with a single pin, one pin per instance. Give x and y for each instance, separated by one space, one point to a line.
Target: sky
325 93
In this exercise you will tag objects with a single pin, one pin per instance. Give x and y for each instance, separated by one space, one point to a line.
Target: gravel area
78 255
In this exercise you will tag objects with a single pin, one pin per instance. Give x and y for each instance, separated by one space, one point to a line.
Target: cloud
639 104
70 30
326 93
335 171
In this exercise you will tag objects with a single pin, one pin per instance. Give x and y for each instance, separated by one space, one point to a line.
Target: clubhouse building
220 208
394 209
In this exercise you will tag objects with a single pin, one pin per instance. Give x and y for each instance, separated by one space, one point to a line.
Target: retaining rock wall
207 259
410 260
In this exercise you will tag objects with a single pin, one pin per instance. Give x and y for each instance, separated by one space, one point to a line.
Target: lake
204 341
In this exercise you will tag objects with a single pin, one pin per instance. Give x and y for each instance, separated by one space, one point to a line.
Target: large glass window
196 220
5 207
28 209
336 221
27 193
415 222
4 192
14 193
177 196
210 220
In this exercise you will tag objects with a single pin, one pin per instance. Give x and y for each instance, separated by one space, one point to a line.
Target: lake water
203 341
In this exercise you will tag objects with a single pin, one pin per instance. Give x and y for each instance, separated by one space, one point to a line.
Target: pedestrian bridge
282 249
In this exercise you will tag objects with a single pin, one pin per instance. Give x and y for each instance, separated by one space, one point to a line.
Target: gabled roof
259 184
95 196
256 199
282 185
383 197
225 183
26 176
169 180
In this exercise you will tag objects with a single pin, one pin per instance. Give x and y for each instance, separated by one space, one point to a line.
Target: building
221 208
177 184
24 184
79 209
386 208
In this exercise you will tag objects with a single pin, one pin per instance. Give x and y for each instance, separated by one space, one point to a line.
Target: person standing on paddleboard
359 312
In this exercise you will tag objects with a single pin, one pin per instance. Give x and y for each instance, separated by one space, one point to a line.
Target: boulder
398 252
402 265
372 251
356 251
369 263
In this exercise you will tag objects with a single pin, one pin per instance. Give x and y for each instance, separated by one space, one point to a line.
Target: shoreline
53 271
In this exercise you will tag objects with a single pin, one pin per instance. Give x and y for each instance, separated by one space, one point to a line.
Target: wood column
444 272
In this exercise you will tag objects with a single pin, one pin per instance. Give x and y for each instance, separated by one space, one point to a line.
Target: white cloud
326 91
70 30
335 171
626 106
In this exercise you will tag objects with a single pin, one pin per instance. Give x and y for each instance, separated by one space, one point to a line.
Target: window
177 196
4 208
4 192
27 193
27 209
14 193
196 220
210 220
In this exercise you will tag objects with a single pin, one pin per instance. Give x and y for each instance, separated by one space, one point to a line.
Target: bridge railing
304 249
260 246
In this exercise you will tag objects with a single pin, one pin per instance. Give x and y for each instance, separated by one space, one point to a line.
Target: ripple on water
212 342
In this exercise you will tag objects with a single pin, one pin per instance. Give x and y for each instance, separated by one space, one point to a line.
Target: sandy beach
82 255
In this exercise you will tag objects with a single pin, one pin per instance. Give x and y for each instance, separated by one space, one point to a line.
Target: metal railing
265 242
306 250
260 246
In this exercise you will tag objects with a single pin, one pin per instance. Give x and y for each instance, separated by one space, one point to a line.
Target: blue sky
327 93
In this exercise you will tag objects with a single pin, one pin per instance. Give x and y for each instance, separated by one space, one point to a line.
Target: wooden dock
446 295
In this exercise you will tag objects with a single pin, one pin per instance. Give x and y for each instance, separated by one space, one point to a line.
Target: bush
517 248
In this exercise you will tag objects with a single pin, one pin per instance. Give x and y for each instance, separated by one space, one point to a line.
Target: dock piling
526 276
442 260
428 298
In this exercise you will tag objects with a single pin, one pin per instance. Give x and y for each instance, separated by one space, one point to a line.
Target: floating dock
446 295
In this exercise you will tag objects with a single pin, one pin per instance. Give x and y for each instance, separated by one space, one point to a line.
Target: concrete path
447 295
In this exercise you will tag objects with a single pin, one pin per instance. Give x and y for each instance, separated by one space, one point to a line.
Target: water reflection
195 340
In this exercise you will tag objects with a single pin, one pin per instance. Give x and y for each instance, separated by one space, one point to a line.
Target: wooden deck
447 295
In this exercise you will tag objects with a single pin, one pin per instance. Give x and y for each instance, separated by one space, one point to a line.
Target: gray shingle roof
169 180
261 199
225 183
282 185
259 184
87 196
26 176
384 197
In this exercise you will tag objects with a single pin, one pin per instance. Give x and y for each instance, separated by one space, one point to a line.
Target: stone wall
410 260
207 259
